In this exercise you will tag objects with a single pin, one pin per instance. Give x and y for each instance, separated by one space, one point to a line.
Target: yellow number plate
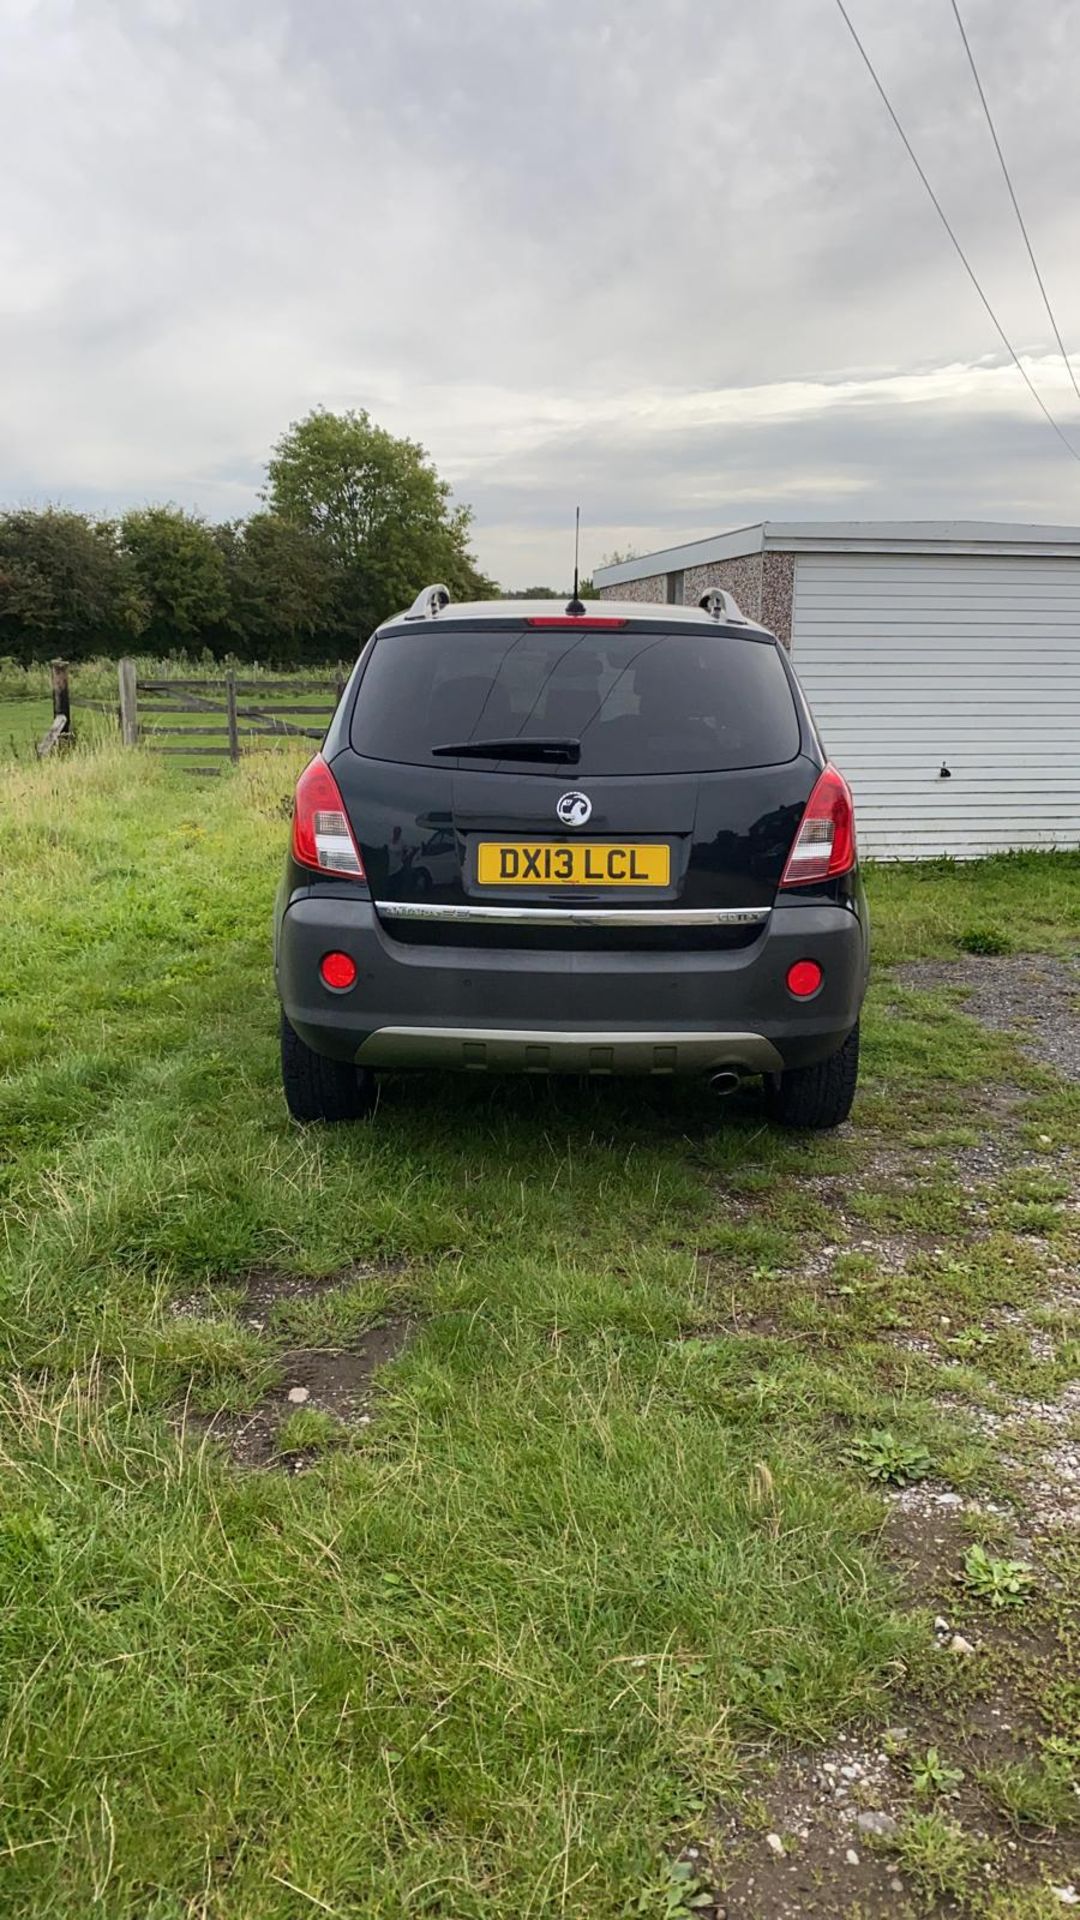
571 863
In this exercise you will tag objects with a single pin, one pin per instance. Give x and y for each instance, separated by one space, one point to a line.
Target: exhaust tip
725 1080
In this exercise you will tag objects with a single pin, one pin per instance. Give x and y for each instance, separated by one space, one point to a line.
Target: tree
64 587
585 589
381 509
179 571
358 523
284 590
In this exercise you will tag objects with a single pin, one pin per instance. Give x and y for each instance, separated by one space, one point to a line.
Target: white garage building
941 659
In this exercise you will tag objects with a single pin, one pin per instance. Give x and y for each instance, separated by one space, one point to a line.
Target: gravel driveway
1028 994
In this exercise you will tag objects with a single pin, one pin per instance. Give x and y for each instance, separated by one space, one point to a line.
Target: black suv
598 839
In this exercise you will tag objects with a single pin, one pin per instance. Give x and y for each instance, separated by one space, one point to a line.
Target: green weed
998 1582
674 1892
930 1774
895 1462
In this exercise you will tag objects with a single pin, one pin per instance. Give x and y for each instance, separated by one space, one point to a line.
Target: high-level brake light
825 843
607 623
321 836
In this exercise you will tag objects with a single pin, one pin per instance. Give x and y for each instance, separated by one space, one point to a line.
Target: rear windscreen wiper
516 747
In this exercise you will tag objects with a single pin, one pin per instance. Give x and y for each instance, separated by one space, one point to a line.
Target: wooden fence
230 712
58 733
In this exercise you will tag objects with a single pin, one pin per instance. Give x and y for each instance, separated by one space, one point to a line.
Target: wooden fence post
129 704
230 707
61 698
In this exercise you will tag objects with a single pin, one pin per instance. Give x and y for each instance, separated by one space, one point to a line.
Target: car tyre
817 1096
320 1089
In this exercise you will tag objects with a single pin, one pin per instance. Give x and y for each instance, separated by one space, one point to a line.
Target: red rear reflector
337 970
321 834
572 620
804 977
825 843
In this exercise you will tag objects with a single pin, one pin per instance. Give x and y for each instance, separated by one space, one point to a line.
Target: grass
309 1427
26 702
499 1654
937 1855
946 906
22 723
1035 1793
96 678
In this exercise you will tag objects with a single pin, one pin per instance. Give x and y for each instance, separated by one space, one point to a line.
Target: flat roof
849 536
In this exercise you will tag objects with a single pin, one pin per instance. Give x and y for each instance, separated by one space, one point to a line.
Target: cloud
665 259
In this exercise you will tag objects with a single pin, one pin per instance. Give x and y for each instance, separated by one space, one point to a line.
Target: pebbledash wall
941 659
762 583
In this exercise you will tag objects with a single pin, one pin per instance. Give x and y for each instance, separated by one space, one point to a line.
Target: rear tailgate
723 838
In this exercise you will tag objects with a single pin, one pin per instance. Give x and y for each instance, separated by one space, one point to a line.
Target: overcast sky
663 257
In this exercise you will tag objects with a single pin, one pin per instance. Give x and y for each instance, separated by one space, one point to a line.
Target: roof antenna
575 605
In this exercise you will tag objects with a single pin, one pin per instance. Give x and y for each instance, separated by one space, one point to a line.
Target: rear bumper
541 1050
575 1012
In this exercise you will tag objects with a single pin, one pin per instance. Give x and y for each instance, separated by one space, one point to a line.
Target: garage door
971 665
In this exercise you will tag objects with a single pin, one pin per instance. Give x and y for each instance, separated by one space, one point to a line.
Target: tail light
321 834
825 843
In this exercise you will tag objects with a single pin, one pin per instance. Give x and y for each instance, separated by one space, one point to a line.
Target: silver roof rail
722 606
429 603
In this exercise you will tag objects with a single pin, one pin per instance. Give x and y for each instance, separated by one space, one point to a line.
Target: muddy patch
832 1833
336 1383
827 1833
821 1824
926 1539
264 1289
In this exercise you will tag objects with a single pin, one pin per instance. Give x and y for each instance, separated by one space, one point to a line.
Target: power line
1012 197
943 217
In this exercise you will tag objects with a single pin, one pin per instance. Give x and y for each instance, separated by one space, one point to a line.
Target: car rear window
639 702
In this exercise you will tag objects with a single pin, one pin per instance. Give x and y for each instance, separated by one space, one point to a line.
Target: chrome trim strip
671 1051
577 916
